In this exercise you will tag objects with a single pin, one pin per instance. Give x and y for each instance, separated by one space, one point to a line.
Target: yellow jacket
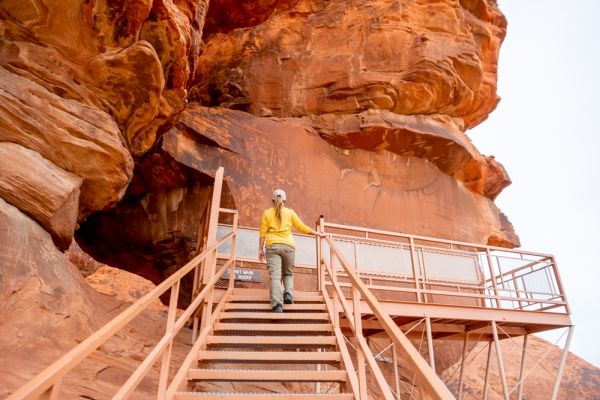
275 232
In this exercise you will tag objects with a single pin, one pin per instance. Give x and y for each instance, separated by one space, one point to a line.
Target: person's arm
264 225
298 224
261 249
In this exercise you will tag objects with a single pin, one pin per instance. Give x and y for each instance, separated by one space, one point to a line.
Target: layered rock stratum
114 116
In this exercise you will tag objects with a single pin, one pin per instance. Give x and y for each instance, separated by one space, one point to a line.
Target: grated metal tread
274 316
267 306
286 340
266 297
266 375
228 326
270 396
291 357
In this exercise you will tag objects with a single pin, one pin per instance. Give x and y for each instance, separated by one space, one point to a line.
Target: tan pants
280 261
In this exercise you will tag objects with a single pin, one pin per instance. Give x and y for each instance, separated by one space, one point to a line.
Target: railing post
560 285
336 300
416 275
200 267
198 272
320 274
208 303
233 250
55 391
517 291
360 357
492 276
211 262
166 358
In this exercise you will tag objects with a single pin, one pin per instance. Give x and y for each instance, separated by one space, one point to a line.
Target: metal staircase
249 343
236 338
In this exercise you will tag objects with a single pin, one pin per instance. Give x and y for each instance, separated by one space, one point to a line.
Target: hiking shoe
287 298
278 308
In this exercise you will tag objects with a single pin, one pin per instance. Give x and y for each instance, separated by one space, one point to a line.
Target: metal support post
500 362
462 366
430 342
396 375
561 365
487 371
521 383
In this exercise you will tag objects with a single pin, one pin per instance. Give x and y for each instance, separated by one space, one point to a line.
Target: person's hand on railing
318 234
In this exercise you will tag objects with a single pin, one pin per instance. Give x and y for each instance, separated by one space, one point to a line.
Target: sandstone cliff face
389 88
46 306
409 57
115 114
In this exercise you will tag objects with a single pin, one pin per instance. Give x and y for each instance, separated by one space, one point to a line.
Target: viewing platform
461 287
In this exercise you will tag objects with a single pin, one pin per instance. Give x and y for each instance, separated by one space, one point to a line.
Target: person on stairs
277 243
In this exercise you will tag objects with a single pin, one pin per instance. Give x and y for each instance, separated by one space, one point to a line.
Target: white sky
546 132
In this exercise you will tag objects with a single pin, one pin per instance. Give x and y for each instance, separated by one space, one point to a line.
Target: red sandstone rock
131 59
47 308
409 57
75 137
45 305
226 15
130 83
400 193
39 188
436 138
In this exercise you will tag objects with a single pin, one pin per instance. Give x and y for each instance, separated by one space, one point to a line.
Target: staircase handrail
362 346
426 376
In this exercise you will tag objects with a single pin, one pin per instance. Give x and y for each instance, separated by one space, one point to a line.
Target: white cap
279 193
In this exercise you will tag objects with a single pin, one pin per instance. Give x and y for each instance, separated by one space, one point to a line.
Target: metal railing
429 384
436 271
203 267
399 267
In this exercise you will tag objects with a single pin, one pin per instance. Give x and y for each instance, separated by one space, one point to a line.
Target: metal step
268 396
267 375
288 357
231 326
267 306
266 298
297 341
273 316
